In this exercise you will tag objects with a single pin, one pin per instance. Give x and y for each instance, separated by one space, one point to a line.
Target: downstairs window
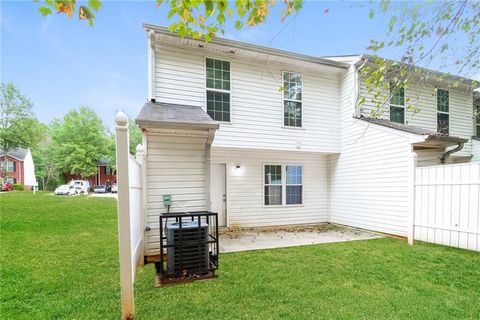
283 185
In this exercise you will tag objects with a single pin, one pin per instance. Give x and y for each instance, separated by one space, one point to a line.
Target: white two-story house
267 137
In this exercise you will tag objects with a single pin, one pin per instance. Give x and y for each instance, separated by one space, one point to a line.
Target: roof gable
18 154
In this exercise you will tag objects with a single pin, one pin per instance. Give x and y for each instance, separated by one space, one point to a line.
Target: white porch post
123 203
412 168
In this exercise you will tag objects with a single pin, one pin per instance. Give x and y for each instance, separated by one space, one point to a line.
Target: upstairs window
478 122
218 89
443 106
397 103
10 167
292 99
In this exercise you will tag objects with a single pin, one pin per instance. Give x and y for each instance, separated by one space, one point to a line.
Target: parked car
114 188
100 189
6 186
74 187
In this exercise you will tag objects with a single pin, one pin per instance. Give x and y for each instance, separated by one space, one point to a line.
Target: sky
61 63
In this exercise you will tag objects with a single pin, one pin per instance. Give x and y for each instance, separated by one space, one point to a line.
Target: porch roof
432 138
167 115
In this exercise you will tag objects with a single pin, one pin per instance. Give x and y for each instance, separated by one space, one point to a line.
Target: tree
79 142
135 135
194 18
18 126
444 33
135 138
422 31
46 171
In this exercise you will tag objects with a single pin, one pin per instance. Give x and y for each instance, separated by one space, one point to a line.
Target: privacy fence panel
136 214
130 213
447 209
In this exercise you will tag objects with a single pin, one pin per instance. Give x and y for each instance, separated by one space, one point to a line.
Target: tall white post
123 203
412 168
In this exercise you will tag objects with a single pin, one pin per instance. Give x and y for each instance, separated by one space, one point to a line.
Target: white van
74 187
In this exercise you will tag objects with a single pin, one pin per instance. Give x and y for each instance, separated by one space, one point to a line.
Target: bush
18 187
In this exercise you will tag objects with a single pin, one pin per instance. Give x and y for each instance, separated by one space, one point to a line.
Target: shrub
18 187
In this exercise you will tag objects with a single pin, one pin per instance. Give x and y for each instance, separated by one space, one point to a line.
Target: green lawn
59 261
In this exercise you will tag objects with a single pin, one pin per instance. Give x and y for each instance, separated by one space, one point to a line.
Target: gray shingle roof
175 115
19 153
433 135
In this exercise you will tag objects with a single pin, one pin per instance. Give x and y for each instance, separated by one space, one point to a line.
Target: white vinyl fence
130 218
447 209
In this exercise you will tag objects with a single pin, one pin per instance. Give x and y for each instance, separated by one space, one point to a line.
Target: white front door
218 195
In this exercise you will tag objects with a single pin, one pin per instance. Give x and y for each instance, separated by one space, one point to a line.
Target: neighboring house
476 127
19 167
104 173
219 135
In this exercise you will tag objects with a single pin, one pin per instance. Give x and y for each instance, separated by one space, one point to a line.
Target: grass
59 260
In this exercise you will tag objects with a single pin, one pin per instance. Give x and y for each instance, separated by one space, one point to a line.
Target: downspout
151 65
447 154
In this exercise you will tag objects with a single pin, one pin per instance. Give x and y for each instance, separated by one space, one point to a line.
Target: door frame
227 198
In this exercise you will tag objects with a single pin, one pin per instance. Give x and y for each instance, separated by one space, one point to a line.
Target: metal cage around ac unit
188 245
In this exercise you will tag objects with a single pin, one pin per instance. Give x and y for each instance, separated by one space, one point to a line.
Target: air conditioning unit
187 248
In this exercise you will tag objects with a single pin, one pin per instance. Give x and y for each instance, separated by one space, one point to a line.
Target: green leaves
85 13
199 19
79 141
18 126
95 4
69 7
371 14
44 11
444 34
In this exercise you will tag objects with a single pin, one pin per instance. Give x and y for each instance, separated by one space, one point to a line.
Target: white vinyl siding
369 178
423 96
256 101
175 166
245 195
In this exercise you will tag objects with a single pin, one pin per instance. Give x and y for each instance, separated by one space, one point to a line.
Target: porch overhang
174 116
435 141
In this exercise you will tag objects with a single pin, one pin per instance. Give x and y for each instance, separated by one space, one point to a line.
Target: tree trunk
5 162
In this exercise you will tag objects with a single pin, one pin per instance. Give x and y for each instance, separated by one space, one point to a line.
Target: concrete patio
244 240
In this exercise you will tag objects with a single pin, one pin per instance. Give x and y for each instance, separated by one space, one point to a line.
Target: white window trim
477 121
2 165
283 185
443 112
398 106
283 102
217 90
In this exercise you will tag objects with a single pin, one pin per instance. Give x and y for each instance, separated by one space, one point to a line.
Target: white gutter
232 44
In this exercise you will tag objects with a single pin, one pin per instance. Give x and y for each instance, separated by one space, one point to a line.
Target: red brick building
104 174
19 167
